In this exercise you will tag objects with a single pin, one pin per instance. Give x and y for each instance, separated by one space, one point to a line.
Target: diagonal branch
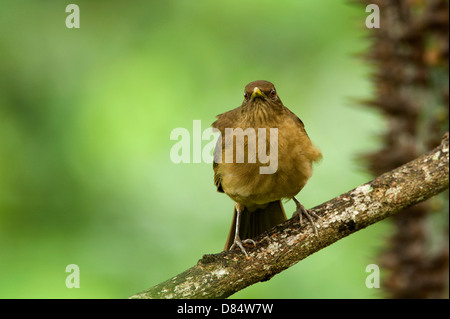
223 274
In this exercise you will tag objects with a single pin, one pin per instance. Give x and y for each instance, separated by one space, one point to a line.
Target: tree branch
221 275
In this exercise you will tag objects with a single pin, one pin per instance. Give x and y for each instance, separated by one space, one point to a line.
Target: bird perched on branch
264 155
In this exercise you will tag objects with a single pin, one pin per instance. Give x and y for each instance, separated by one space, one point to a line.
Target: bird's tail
255 223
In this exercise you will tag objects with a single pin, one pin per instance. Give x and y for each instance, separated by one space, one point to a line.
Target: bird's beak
257 93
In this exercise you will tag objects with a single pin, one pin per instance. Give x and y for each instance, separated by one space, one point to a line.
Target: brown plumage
287 159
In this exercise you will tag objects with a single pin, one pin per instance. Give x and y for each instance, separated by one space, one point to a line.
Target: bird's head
260 92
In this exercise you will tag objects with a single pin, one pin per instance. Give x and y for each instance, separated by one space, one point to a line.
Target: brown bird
263 156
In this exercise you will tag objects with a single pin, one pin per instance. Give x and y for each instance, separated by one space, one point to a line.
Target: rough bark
221 275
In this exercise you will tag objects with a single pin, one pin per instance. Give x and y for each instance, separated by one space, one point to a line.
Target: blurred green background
85 119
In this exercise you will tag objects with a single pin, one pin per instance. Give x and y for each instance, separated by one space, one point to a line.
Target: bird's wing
226 119
223 121
296 119
314 153
217 178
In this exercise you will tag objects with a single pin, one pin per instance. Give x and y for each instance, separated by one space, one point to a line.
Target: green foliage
85 120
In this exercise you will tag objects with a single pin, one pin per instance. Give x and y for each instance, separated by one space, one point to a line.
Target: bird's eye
245 95
273 93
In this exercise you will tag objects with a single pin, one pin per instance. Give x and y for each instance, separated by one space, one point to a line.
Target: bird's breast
271 163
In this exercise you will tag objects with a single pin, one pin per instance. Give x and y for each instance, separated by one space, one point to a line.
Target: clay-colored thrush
263 156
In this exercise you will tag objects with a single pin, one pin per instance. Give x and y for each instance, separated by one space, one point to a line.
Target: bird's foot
238 242
301 210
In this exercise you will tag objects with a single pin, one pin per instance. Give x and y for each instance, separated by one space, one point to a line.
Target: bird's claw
238 242
301 210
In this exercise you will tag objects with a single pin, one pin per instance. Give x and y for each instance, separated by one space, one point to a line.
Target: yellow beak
257 92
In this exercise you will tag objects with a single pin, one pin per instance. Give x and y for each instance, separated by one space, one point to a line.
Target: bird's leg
237 240
301 210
